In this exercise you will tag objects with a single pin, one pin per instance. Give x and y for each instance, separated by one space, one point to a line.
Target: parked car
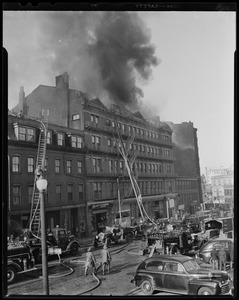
180 274
19 260
205 251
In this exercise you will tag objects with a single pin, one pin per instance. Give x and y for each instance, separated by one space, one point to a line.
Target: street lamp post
42 185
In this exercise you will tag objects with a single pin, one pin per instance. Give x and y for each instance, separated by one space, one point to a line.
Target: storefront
99 214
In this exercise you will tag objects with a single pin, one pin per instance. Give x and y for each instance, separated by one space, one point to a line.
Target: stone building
187 167
96 128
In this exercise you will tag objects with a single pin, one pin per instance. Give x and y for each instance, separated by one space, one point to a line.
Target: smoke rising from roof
107 54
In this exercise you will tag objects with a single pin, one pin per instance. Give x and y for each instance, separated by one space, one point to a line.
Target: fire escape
34 222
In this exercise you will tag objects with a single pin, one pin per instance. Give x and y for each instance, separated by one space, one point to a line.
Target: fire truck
171 242
19 260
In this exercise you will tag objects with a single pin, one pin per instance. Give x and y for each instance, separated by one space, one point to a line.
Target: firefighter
38 172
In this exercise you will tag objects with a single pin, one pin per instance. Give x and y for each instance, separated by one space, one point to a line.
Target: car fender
194 285
15 265
68 248
142 276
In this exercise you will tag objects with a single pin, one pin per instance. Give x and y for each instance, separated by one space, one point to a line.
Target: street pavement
67 277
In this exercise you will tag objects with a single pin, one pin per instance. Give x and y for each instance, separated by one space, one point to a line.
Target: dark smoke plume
105 53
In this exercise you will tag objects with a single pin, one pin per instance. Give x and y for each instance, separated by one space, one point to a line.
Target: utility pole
42 185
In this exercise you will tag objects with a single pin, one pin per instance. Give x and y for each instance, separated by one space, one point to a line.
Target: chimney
22 103
156 120
62 81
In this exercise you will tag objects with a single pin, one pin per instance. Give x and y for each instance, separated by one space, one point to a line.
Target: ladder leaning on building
34 221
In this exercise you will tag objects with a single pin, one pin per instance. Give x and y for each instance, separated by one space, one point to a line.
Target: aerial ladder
124 151
34 221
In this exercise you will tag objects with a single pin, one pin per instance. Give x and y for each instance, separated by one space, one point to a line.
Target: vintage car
19 260
58 240
180 274
205 251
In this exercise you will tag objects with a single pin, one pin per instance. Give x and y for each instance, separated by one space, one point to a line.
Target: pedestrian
106 258
222 256
107 241
95 241
90 261
231 252
214 256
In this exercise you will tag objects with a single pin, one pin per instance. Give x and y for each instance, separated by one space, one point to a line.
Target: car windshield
191 265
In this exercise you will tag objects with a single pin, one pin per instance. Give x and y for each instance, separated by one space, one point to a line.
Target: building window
27 134
123 127
30 193
141 167
145 167
116 166
153 168
30 164
167 152
143 148
130 129
80 189
98 140
121 167
75 117
70 192
68 166
76 141
113 124
110 166
16 192
49 137
97 162
111 189
95 139
15 164
60 139
168 169
57 166
97 190
79 167
149 168
109 142
148 149
58 193
94 119
119 125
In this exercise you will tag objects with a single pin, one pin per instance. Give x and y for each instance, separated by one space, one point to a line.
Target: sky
177 65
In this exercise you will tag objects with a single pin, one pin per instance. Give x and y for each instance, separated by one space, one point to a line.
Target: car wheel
147 287
74 249
204 291
11 274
